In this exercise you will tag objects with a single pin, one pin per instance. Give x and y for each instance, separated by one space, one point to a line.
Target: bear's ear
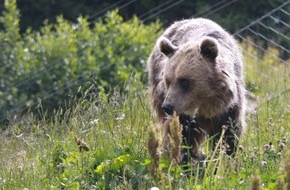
166 47
209 48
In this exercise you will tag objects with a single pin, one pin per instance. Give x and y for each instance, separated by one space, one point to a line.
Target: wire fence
270 30
267 35
267 31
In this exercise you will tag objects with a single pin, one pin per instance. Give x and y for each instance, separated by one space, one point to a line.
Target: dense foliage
233 14
45 67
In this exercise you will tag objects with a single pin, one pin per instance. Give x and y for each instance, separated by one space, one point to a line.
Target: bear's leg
230 122
193 136
231 141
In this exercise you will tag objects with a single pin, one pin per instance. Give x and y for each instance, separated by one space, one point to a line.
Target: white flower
122 116
94 122
264 163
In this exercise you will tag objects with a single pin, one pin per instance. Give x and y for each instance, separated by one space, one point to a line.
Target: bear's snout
168 108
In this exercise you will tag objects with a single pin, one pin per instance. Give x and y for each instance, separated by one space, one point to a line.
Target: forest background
231 14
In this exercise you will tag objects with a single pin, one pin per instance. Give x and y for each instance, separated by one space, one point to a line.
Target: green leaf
146 162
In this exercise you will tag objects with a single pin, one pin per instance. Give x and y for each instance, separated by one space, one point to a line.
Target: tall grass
100 142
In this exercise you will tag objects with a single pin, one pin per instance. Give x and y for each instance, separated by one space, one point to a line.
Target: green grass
44 154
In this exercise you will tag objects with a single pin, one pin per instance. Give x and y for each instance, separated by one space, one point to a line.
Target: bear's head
193 79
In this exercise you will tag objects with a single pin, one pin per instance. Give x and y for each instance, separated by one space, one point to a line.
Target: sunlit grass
101 143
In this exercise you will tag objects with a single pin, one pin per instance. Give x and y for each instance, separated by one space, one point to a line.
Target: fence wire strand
241 34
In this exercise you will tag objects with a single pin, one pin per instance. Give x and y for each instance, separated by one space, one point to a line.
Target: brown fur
195 68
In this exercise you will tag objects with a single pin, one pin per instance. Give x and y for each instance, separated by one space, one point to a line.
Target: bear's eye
184 83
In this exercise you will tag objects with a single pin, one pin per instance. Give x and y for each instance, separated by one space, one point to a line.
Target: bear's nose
167 108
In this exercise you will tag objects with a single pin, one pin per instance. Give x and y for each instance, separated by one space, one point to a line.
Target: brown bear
196 70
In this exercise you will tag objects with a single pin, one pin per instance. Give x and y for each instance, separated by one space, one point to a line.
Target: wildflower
256 182
175 139
94 122
264 163
121 117
154 188
281 146
279 154
267 147
152 145
120 159
241 148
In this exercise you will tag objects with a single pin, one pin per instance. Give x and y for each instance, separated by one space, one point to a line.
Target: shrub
44 68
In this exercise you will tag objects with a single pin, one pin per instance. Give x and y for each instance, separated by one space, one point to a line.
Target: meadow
104 138
100 142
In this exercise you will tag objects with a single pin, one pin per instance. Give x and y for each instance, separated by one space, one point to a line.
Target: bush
48 66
